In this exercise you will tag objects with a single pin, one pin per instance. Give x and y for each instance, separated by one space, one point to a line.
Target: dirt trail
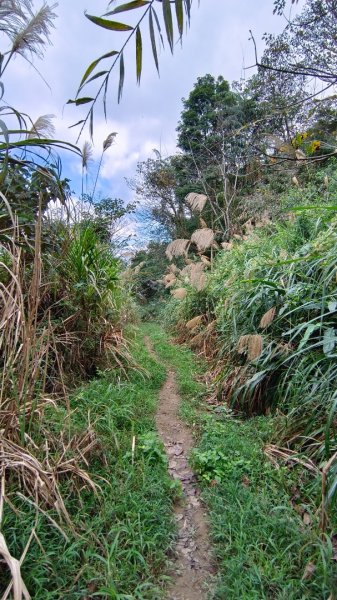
192 568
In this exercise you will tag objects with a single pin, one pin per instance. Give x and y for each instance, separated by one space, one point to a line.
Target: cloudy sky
217 43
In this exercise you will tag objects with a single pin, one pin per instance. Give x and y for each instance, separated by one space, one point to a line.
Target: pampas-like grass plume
12 14
196 202
227 245
203 238
172 268
197 276
193 323
138 267
32 36
179 293
252 345
205 260
268 317
194 275
87 152
109 140
177 248
169 280
43 127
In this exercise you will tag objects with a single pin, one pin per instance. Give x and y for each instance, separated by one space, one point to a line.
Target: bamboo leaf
105 96
180 16
128 6
153 41
44 143
158 26
97 75
188 4
121 77
78 123
139 54
91 123
106 24
94 64
79 101
167 14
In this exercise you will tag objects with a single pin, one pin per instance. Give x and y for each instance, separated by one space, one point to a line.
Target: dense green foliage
118 536
278 285
249 208
257 514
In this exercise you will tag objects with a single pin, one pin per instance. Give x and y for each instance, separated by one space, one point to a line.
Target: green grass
124 534
260 540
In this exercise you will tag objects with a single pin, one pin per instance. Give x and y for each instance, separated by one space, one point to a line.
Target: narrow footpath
192 567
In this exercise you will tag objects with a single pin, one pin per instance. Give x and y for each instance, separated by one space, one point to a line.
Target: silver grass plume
32 36
86 155
109 140
43 127
12 14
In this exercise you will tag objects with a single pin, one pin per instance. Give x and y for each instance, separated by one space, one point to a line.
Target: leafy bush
274 297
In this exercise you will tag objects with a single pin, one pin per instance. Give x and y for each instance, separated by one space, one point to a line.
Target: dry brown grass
17 585
31 373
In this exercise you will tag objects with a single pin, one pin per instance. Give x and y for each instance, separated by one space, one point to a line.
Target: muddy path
192 567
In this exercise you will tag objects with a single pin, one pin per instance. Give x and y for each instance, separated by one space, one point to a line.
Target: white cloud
216 43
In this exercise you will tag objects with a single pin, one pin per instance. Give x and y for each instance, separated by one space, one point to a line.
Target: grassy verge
263 522
123 533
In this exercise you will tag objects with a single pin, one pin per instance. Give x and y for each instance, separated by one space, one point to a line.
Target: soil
192 568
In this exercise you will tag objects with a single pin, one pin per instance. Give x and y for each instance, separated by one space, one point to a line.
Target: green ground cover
263 521
124 533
